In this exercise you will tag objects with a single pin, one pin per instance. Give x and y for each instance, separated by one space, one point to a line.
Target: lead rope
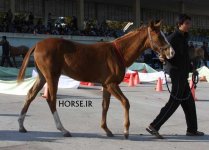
195 80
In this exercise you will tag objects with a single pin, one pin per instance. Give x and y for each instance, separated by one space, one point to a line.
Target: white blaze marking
172 52
126 131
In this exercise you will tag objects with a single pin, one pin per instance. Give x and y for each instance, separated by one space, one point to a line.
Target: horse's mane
131 32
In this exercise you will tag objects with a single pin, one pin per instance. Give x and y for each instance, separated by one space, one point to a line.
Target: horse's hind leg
52 87
14 61
116 91
105 107
39 83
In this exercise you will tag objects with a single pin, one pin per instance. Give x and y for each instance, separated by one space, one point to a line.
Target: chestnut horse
18 51
103 62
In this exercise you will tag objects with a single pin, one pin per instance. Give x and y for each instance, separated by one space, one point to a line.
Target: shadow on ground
13 135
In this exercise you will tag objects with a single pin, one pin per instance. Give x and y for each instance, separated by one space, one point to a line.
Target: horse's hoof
22 130
67 134
126 135
109 134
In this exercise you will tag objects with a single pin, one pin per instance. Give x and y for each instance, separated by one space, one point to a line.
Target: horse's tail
21 73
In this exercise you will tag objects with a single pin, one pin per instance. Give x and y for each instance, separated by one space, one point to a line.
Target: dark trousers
181 89
7 59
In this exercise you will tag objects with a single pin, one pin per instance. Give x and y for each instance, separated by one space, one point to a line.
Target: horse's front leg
51 100
114 89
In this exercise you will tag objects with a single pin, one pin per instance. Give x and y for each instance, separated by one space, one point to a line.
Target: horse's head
196 53
158 42
200 54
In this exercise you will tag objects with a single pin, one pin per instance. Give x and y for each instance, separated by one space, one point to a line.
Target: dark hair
181 19
4 37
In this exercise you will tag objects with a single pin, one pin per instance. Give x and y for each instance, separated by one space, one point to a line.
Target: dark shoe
154 132
197 133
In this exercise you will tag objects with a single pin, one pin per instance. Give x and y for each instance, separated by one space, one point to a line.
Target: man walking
5 51
178 67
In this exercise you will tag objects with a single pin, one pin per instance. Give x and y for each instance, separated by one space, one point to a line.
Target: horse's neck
132 46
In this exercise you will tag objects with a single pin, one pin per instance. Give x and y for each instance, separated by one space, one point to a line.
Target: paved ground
84 123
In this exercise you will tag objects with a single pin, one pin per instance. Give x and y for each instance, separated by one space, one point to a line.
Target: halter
155 45
119 54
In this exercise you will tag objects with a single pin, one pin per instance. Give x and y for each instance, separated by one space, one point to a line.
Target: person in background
74 23
49 22
9 18
30 18
206 56
5 51
191 45
195 46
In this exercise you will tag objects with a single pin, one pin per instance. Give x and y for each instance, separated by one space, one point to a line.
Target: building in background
136 11
90 18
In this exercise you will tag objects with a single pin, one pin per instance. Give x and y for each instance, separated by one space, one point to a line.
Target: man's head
183 22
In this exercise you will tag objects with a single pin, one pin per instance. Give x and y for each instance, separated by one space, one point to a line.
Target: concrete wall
16 39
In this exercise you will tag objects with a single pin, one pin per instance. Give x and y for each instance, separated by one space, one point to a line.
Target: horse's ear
155 25
158 23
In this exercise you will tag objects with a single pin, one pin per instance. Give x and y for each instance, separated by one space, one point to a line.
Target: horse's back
68 46
51 44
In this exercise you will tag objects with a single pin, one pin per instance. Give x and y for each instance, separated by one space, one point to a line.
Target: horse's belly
83 73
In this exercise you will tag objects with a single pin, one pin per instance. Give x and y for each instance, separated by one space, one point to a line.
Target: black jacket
5 48
180 64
